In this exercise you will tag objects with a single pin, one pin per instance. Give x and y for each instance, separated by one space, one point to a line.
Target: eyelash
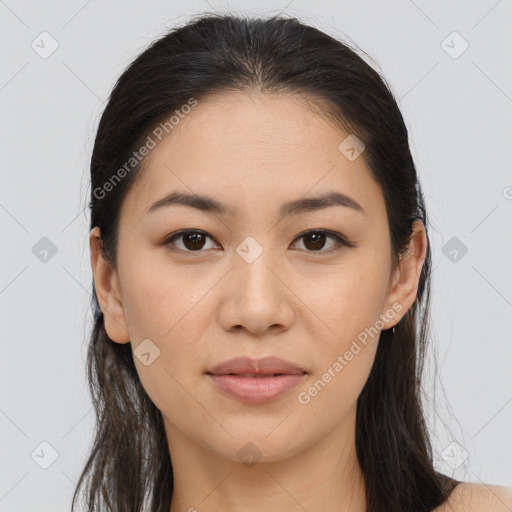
340 240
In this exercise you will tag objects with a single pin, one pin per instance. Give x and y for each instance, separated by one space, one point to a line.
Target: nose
257 297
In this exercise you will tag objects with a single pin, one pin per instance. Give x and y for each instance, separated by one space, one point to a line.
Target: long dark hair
129 465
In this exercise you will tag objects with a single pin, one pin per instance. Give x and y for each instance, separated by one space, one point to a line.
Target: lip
255 380
263 366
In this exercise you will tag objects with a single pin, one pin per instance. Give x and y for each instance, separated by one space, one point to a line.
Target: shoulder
469 497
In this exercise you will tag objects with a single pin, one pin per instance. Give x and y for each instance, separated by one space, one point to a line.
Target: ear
108 291
406 276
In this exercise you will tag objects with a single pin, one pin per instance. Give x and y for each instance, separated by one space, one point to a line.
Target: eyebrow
296 207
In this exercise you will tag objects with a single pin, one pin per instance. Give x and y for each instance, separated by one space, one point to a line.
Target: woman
261 283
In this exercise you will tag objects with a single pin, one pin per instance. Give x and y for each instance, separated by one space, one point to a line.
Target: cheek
350 301
162 306
332 394
160 299
347 311
344 354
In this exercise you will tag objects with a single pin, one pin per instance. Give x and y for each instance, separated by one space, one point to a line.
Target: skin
255 152
468 497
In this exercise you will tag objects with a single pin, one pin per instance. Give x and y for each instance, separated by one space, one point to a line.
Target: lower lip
256 390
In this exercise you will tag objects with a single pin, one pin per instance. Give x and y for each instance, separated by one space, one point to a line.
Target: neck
325 476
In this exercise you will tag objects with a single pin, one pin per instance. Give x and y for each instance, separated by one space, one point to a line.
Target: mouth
264 367
254 374
256 381
255 388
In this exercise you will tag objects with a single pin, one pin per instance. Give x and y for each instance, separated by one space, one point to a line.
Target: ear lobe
108 291
406 276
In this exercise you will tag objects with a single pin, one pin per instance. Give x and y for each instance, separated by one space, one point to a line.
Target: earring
393 330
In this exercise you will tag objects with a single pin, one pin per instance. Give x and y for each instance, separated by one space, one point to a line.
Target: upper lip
263 366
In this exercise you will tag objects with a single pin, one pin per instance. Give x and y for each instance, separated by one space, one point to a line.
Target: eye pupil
318 240
194 237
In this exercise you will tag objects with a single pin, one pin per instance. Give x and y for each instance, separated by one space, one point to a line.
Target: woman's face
253 282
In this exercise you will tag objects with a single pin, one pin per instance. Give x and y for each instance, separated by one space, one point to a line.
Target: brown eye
192 240
314 240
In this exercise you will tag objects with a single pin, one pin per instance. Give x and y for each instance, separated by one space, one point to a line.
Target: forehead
255 151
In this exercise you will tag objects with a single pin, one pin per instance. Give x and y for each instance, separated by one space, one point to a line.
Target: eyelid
338 237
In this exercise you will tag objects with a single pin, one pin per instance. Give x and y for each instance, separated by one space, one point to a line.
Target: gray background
458 109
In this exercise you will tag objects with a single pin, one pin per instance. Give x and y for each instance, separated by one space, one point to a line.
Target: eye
193 240
315 240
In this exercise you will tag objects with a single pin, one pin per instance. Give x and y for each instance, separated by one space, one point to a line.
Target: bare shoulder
469 497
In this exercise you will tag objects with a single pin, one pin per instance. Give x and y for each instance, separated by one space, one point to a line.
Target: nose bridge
253 263
257 298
